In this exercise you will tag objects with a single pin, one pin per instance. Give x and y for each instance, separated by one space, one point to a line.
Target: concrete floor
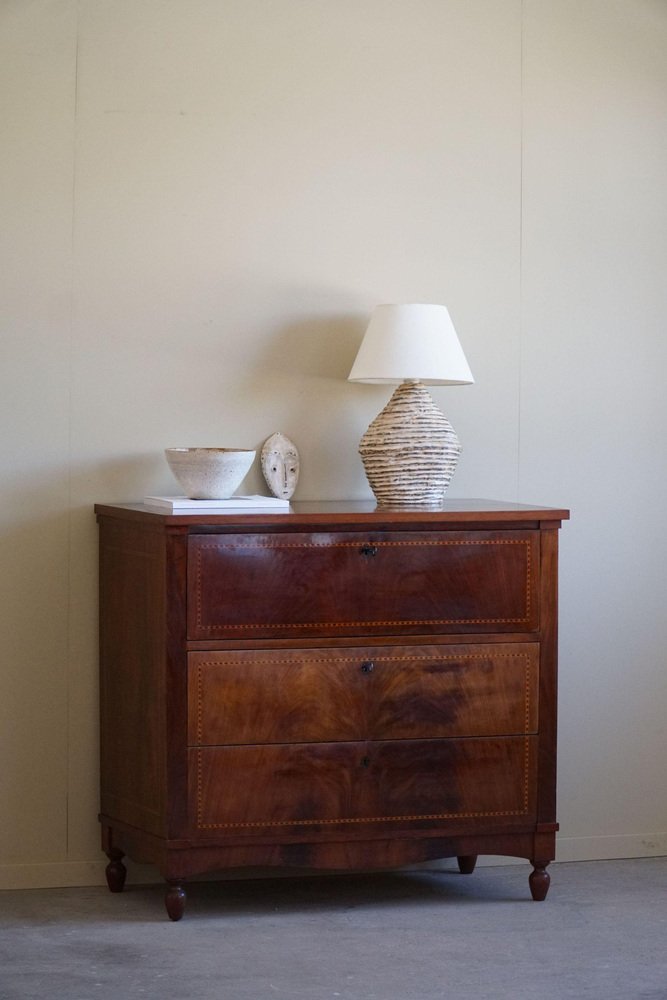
602 933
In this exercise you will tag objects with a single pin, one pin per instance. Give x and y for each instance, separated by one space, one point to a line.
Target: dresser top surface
314 513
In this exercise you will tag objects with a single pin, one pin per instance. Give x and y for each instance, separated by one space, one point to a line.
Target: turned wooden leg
115 871
175 900
539 880
467 863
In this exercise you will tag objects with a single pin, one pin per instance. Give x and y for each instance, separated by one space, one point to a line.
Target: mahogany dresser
339 686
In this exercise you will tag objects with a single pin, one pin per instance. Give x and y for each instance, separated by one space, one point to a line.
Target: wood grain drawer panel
378 693
352 583
349 783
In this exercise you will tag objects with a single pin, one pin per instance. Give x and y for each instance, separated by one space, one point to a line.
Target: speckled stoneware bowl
209 473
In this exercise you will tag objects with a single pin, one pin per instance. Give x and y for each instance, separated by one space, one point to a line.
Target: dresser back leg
467 863
174 900
115 871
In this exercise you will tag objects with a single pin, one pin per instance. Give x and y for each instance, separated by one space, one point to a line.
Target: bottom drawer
317 784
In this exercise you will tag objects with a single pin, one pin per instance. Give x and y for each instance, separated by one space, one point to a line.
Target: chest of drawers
336 687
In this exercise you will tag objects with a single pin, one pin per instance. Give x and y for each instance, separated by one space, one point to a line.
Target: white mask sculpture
280 465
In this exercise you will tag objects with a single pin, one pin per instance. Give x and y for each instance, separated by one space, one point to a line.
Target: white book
185 505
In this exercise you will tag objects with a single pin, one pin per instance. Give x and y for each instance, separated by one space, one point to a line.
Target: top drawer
298 585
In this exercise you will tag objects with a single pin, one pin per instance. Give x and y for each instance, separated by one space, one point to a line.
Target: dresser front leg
174 900
467 863
115 871
539 880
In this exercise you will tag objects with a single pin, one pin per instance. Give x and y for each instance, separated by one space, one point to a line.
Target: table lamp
410 450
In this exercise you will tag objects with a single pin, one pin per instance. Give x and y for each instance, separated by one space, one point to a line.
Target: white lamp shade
411 342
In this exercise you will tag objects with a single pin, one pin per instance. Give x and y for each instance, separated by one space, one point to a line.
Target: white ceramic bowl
209 473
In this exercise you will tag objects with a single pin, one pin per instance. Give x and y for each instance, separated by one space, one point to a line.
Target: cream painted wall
203 201
593 403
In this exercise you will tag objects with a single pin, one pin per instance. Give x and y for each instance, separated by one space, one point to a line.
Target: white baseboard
51 874
70 874
610 848
637 845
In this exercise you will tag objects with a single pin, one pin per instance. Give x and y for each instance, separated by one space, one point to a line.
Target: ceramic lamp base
410 450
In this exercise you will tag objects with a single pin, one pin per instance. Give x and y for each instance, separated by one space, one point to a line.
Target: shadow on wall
298 385
119 480
315 347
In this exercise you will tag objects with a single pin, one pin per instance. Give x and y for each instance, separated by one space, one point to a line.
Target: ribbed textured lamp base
410 450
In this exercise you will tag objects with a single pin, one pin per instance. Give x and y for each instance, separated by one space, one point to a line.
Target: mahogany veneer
337 687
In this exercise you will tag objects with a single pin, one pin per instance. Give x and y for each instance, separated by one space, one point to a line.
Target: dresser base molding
177 862
335 688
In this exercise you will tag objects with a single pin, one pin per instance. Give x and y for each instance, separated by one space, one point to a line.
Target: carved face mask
280 465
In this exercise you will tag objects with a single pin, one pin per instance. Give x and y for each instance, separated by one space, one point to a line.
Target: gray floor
602 933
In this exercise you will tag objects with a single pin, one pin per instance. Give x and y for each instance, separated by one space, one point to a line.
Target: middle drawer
362 693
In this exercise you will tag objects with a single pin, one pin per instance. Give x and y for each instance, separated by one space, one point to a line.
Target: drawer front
377 693
325 584
350 783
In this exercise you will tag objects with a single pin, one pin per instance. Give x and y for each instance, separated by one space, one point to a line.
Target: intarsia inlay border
525 619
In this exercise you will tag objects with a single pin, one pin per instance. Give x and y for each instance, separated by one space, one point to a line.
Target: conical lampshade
416 342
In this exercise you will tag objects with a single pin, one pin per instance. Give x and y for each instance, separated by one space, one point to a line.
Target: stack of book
183 505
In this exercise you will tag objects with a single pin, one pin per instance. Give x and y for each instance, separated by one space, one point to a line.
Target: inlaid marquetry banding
425 543
357 623
526 764
349 822
371 624
200 703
